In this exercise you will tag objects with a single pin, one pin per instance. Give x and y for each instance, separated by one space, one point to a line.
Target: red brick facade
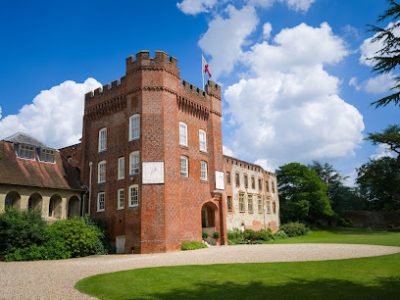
171 212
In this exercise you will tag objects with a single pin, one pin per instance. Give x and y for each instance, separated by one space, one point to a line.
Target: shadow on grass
385 288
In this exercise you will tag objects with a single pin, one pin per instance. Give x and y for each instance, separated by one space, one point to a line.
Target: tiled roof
17 171
23 138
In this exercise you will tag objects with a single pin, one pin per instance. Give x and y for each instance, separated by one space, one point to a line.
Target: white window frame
134 163
250 204
183 134
260 204
121 168
24 149
102 140
101 176
134 127
121 199
203 170
242 203
99 209
184 172
132 202
202 140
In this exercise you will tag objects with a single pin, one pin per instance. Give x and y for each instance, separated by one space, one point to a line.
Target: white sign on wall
153 172
219 180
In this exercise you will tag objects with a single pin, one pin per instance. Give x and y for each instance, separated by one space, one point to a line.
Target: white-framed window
268 207
121 168
202 140
134 195
134 127
242 207
47 155
184 166
101 201
102 139
26 151
121 198
203 170
250 203
101 172
183 134
134 163
260 204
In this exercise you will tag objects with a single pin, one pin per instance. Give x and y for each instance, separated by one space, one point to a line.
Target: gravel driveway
55 279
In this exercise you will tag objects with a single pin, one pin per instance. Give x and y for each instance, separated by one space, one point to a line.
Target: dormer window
26 151
47 155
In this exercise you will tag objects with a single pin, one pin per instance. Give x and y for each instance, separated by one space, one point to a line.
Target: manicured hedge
294 229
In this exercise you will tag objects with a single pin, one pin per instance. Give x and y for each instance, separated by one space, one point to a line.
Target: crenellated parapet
192 89
213 89
160 62
114 89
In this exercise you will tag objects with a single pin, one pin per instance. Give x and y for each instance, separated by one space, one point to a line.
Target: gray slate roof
23 138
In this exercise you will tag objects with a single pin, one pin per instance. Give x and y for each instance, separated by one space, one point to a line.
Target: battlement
213 89
161 60
115 85
187 86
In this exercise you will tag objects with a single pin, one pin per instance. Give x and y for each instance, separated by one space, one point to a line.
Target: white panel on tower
153 172
219 180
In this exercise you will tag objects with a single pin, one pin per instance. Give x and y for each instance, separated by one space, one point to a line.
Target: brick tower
151 156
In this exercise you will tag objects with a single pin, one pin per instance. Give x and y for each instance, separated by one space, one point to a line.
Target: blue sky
45 43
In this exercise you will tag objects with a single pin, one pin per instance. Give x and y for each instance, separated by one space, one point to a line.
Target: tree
379 182
387 59
390 137
343 198
303 195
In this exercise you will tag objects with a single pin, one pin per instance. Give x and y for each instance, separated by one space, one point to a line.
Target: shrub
20 229
80 237
234 234
63 239
280 235
294 229
192 246
215 235
204 235
261 235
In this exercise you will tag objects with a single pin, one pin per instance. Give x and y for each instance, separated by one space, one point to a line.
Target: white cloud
380 83
375 85
267 28
226 36
288 108
369 48
354 83
54 116
296 5
194 7
350 178
382 150
0 112
266 165
227 151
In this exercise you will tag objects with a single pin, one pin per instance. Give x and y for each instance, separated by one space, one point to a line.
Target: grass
363 278
346 236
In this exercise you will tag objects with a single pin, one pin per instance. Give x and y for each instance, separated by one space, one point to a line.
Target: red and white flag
206 68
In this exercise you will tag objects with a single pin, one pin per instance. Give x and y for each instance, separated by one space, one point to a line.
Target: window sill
203 152
136 206
204 180
184 147
102 151
120 208
101 210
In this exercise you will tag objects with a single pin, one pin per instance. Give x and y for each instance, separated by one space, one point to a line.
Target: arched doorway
55 207
73 207
208 218
13 199
35 202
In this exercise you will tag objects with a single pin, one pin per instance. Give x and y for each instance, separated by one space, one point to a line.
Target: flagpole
202 70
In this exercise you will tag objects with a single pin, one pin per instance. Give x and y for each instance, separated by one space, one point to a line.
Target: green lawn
346 236
363 278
